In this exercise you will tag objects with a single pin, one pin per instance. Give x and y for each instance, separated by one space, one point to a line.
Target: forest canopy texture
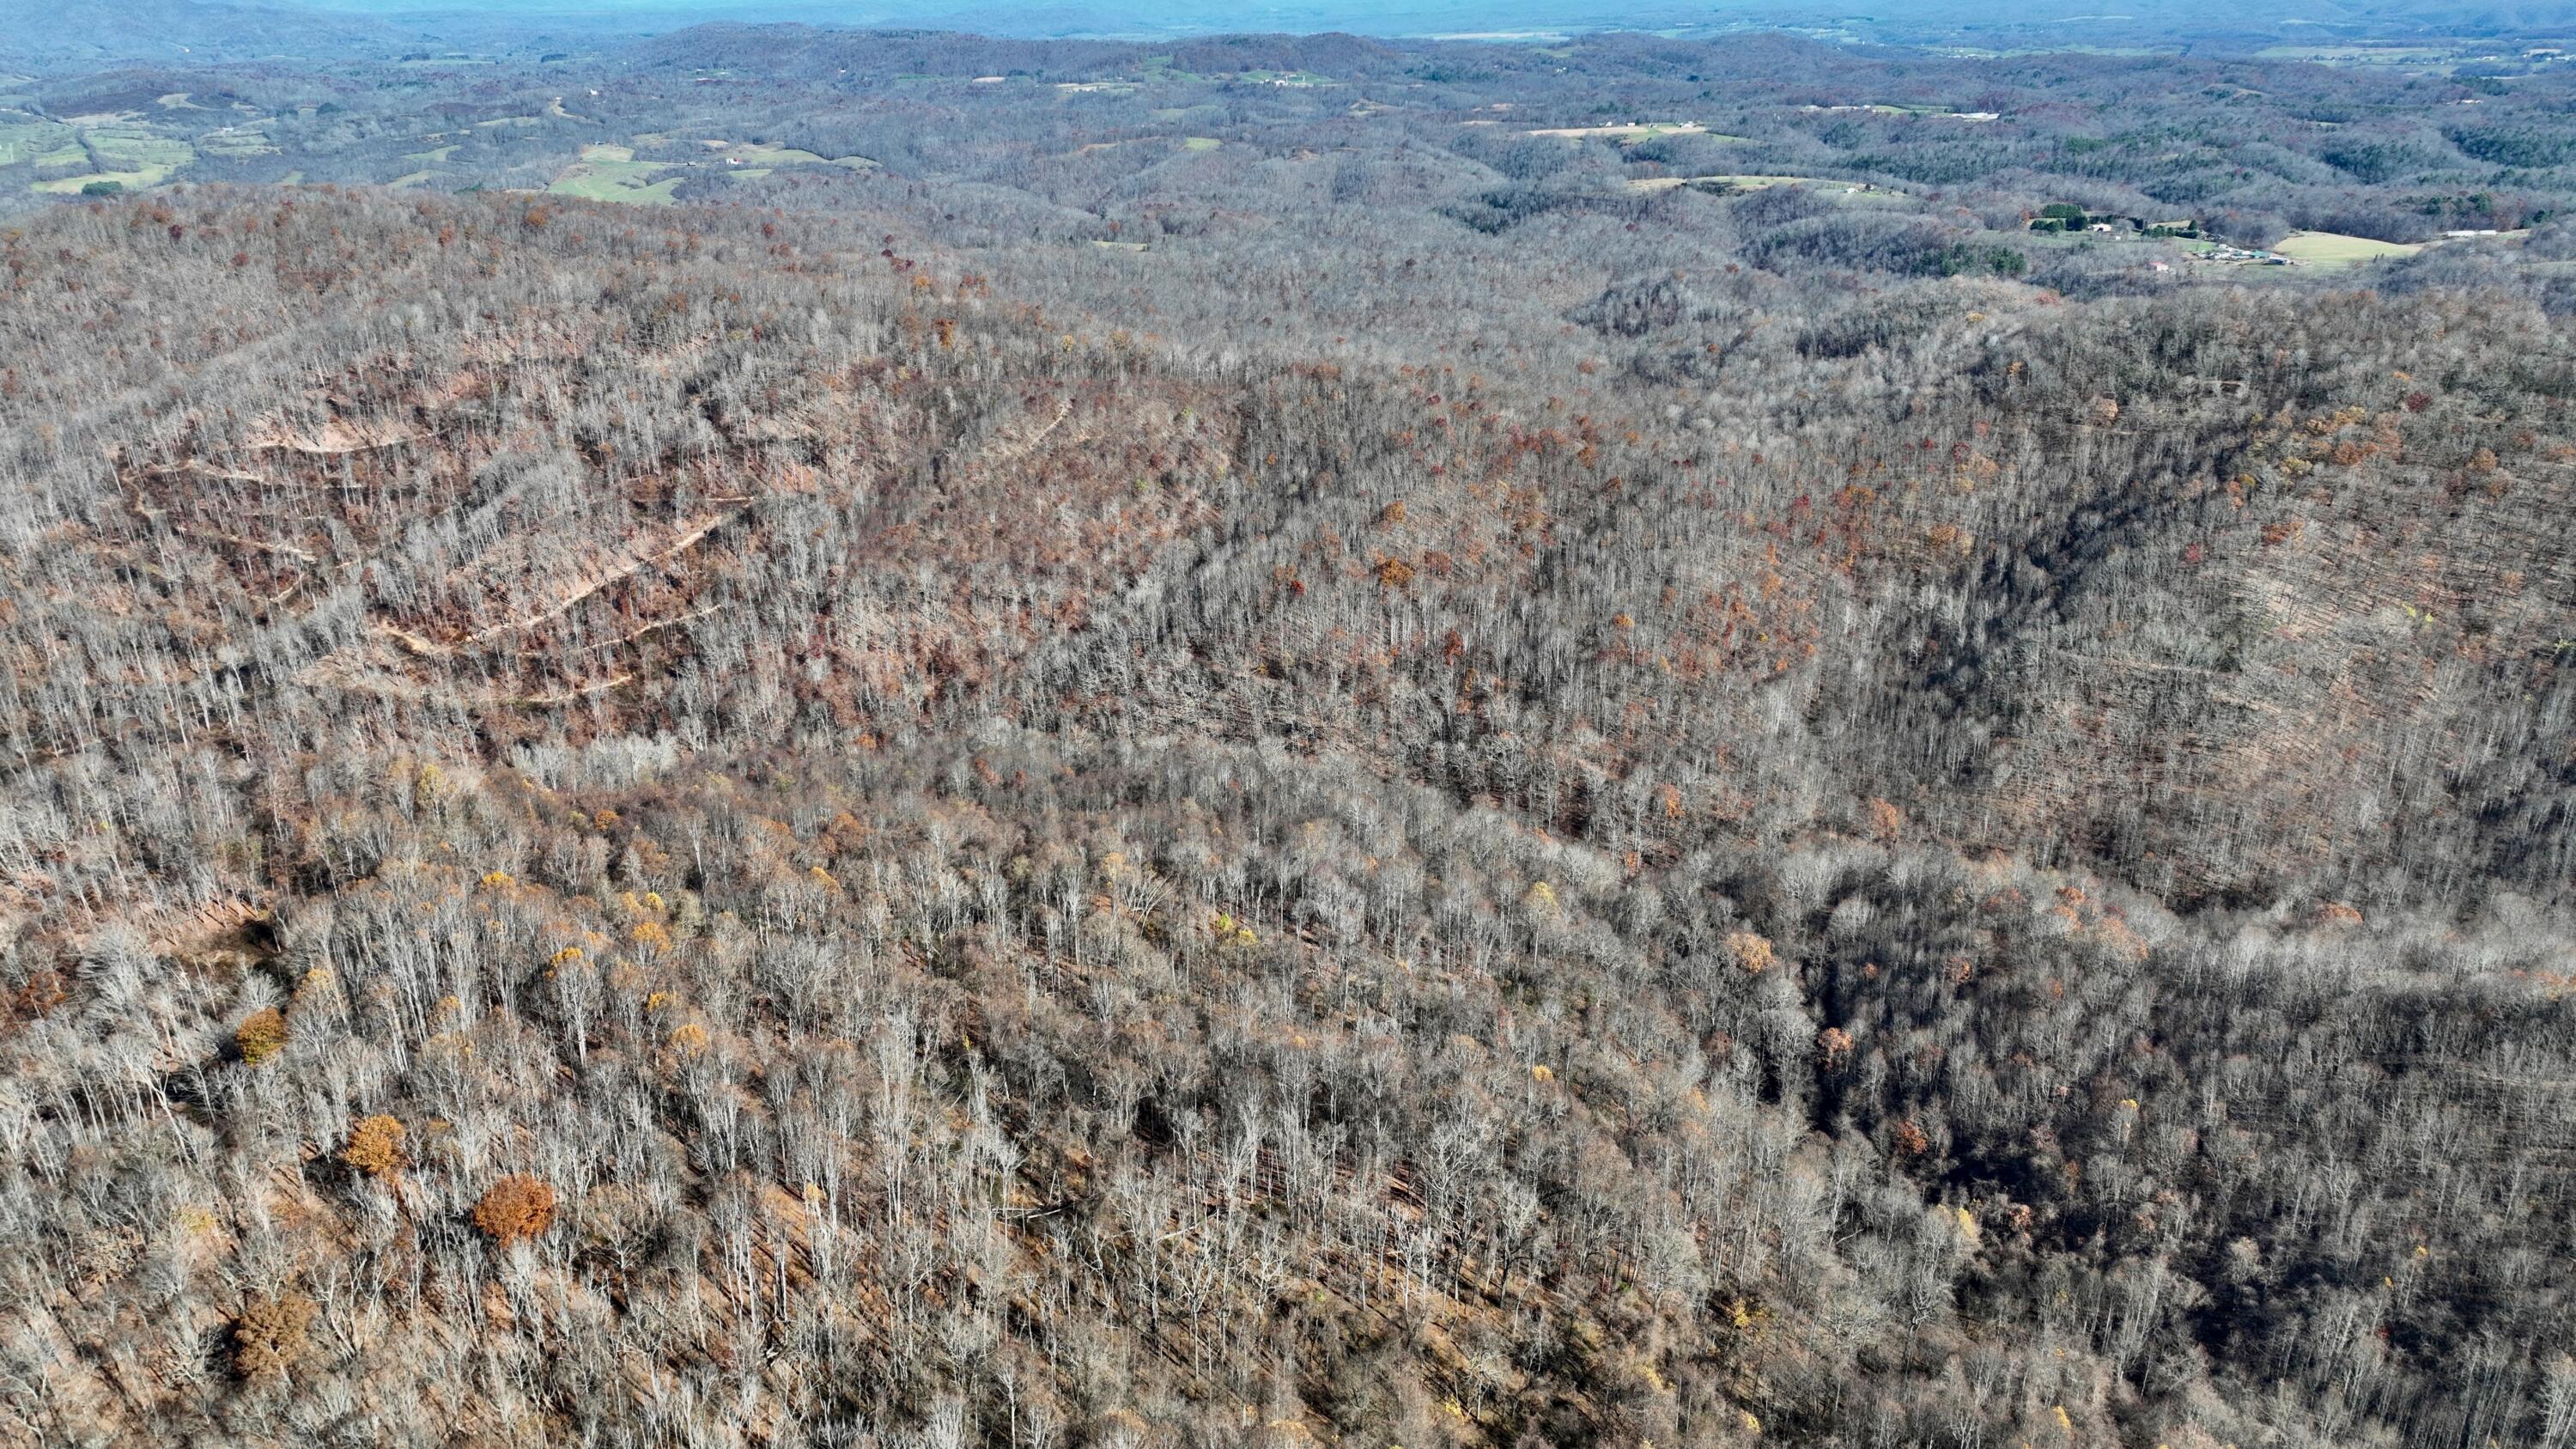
902 741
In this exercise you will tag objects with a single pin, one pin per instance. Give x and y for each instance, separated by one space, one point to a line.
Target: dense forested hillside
1236 760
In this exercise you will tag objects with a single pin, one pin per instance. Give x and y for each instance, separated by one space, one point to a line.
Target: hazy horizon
2072 22
91 32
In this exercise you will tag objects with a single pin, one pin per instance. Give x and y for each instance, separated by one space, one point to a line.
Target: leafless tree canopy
1367 783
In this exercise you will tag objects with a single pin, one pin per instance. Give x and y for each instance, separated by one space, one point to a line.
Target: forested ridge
1286 790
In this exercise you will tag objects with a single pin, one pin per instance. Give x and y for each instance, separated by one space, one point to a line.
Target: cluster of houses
2066 216
2243 256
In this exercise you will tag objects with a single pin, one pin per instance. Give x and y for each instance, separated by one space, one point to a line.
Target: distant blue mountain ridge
96 32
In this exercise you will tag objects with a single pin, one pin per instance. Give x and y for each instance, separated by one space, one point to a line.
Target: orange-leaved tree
376 1147
516 1207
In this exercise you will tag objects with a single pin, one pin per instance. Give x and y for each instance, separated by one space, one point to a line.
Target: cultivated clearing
235 142
2333 251
1939 113
1753 183
1632 133
74 185
771 153
610 172
34 140
132 156
628 181
2424 57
